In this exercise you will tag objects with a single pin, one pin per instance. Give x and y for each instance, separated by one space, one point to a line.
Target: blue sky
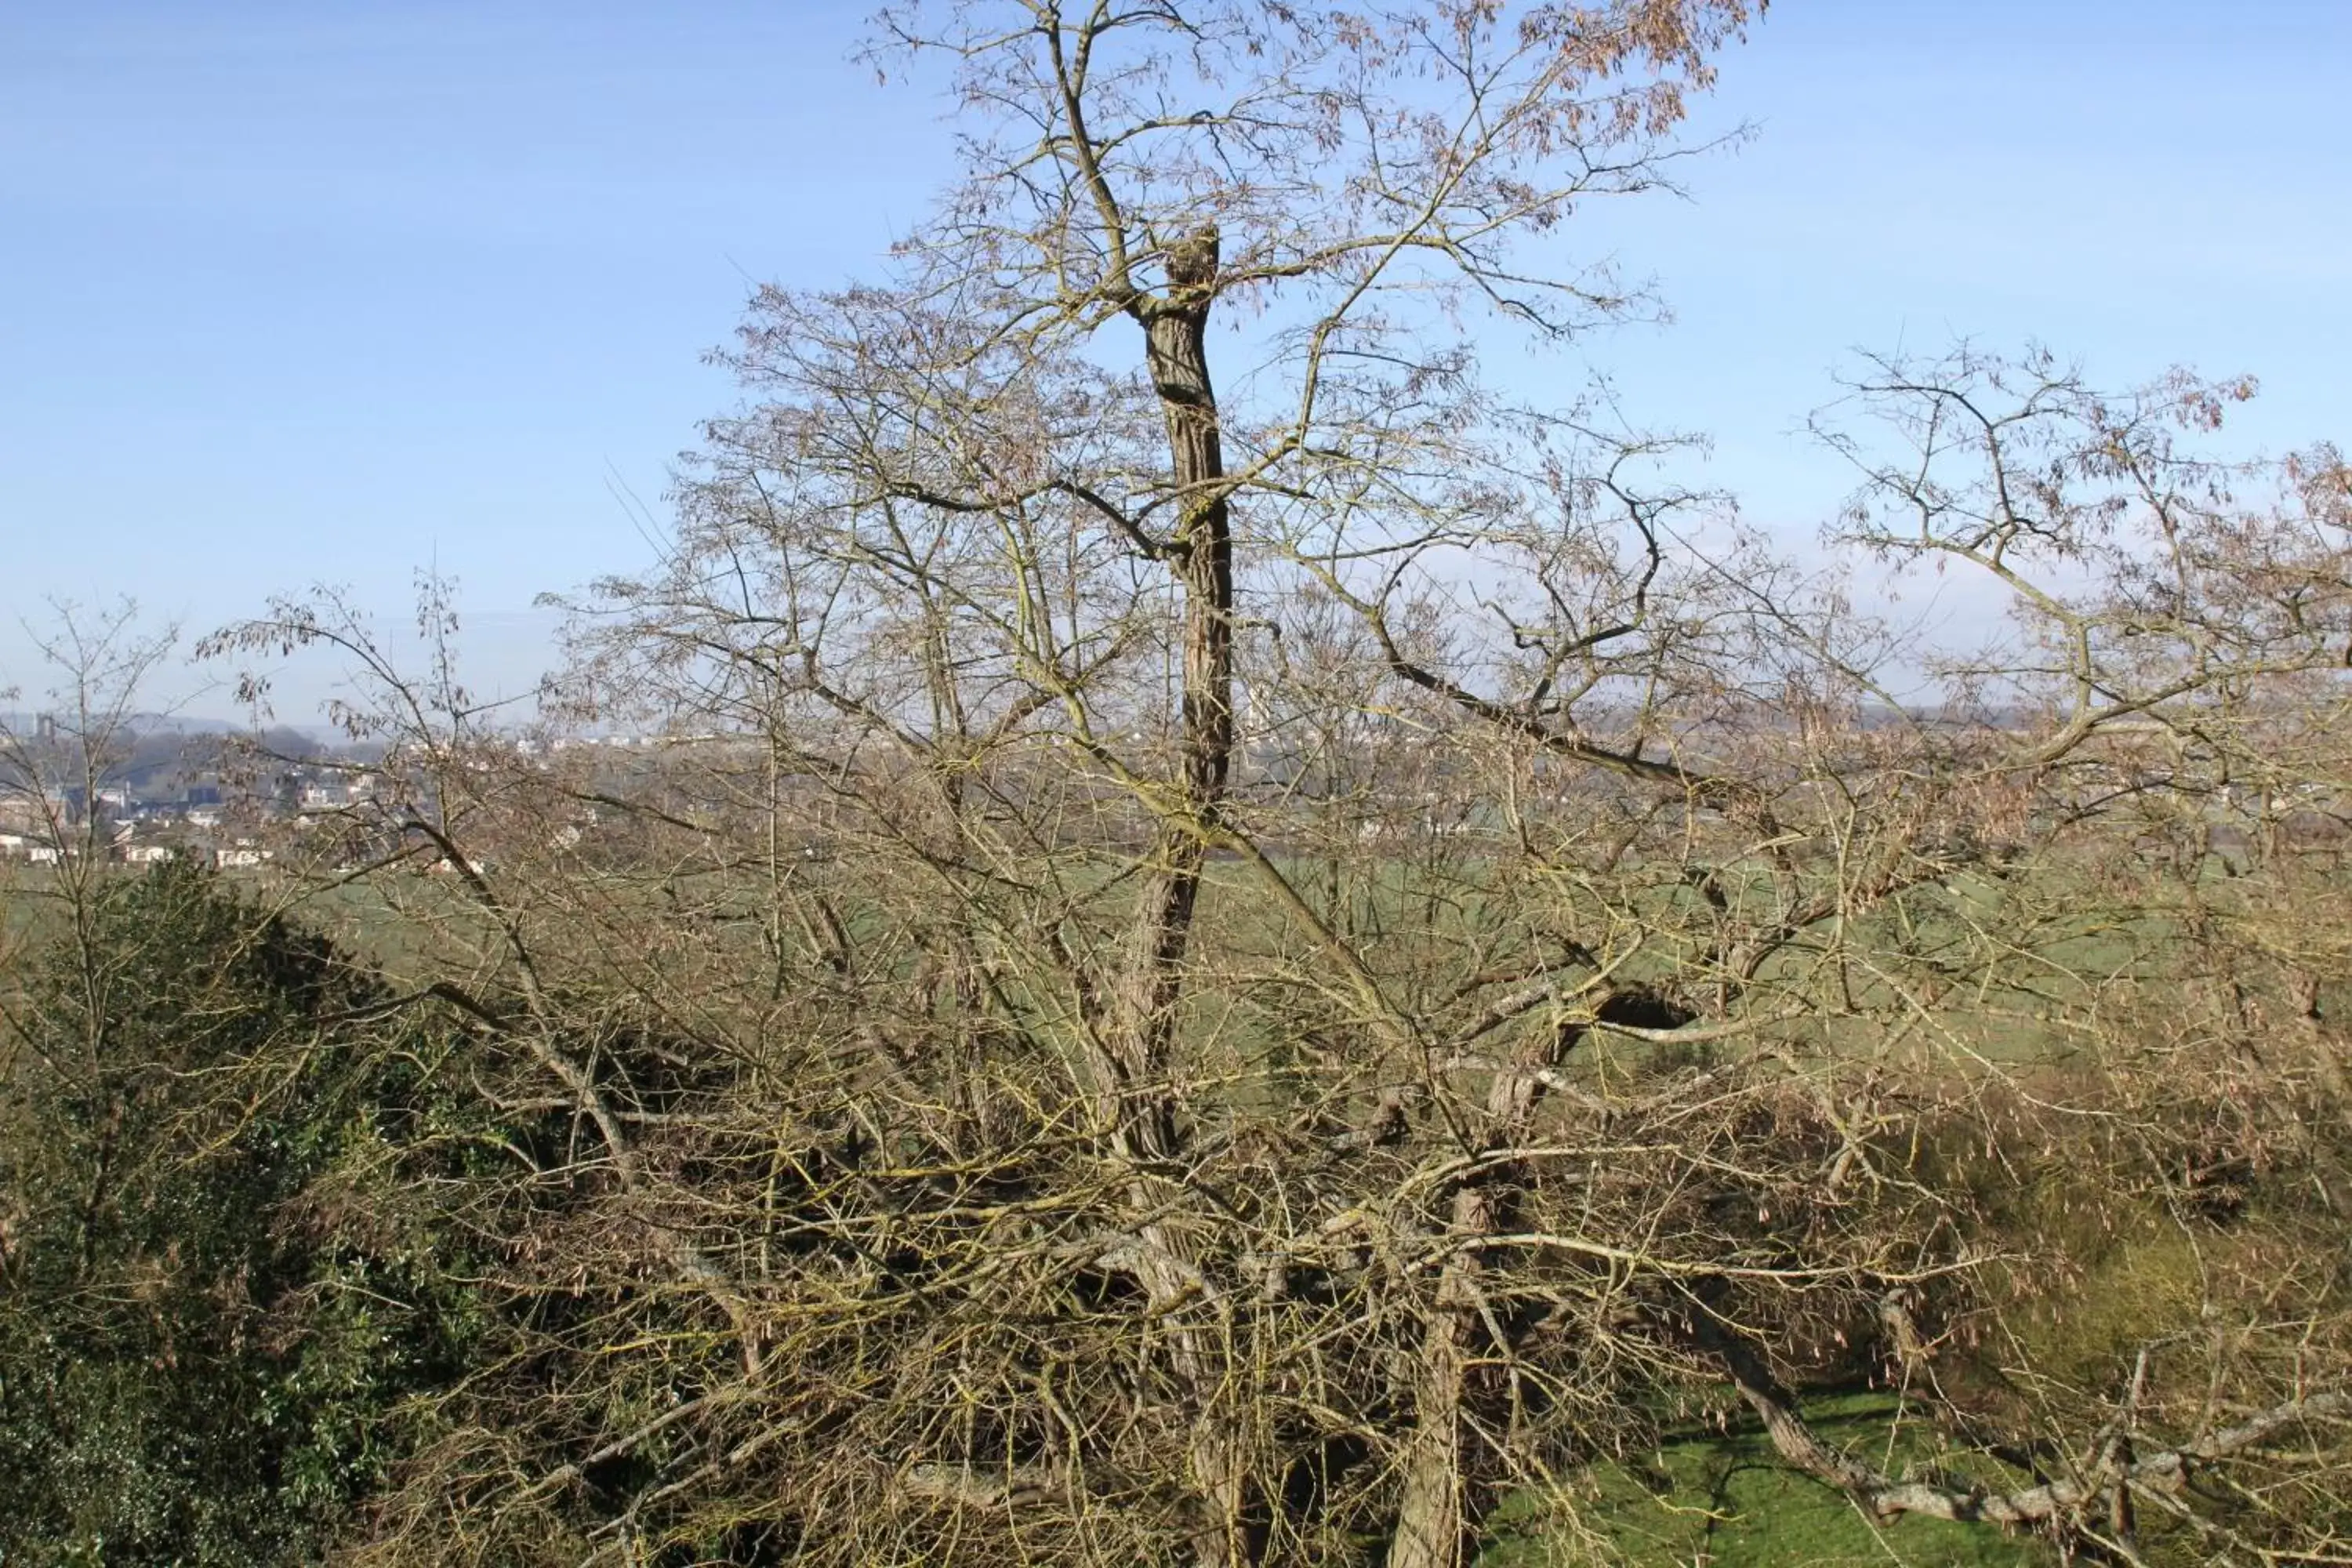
327 292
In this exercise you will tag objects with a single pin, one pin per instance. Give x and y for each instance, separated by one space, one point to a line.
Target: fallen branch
1887 1497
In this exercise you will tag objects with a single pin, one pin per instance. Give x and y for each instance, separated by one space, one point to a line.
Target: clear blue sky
300 292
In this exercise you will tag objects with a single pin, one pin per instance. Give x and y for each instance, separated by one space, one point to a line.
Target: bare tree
60 764
1233 968
966 535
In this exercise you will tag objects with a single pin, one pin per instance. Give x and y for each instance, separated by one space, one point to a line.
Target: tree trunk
1442 1497
1150 983
1433 1506
1175 331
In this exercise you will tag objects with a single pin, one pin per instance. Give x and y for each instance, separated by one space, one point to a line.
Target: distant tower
45 729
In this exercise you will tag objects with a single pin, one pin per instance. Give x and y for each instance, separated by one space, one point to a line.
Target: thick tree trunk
1150 985
1175 331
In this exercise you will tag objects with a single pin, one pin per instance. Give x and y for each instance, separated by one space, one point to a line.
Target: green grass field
1724 1499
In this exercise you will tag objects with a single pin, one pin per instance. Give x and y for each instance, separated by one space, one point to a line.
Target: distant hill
23 722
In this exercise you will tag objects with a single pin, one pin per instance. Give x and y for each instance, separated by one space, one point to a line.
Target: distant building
23 811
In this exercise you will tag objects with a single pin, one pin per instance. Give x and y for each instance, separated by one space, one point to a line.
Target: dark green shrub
198 1349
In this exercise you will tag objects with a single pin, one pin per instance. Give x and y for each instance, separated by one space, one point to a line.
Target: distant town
203 791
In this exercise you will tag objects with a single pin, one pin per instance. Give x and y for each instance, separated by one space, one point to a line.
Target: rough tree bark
1146 994
1175 328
